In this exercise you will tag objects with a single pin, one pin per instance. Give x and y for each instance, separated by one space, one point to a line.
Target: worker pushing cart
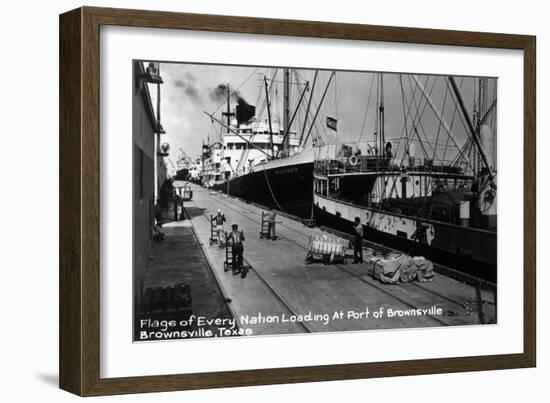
268 225
235 240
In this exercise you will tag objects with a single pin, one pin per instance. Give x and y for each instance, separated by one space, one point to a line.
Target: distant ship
282 183
443 209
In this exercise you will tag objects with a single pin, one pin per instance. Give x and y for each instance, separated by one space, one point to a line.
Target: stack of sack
397 267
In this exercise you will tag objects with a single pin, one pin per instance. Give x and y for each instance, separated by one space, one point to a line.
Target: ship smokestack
244 111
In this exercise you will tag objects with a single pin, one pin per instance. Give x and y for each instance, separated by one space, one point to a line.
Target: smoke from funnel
186 84
219 94
240 100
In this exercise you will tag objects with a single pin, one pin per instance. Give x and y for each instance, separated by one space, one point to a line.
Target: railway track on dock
368 282
382 249
438 268
271 288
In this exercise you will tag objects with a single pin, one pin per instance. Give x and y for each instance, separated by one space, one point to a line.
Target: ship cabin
212 164
249 142
359 175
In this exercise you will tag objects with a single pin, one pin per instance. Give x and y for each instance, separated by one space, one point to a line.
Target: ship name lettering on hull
286 171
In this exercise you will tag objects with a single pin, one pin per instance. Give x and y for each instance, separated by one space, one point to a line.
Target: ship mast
319 108
308 106
474 134
286 108
286 132
381 137
381 111
228 113
269 117
481 109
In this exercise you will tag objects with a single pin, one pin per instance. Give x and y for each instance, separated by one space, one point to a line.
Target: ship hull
468 250
284 187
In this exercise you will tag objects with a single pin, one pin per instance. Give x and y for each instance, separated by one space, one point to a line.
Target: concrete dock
280 283
178 259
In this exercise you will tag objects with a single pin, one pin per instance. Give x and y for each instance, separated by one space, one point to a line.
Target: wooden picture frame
80 185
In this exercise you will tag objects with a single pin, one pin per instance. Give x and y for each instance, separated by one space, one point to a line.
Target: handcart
327 250
264 226
214 237
187 194
228 263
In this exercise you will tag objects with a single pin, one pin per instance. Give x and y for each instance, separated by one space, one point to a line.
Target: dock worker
158 213
357 241
237 238
271 215
219 219
178 207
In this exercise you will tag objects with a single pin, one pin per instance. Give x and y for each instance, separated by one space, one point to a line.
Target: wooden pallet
170 298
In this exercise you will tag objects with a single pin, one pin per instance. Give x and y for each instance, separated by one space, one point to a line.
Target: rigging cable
452 120
407 137
235 91
271 191
420 120
404 130
320 104
244 156
466 145
308 105
440 122
366 109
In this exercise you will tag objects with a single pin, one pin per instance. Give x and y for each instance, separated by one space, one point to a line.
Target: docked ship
441 205
261 157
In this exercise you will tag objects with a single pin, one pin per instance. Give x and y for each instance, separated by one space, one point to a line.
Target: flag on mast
332 123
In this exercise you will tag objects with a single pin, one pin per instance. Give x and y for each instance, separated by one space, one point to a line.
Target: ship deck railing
368 164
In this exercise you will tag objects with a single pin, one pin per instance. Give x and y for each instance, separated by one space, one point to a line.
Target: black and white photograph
267 202
273 200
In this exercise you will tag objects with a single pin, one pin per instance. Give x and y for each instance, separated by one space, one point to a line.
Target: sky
351 98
